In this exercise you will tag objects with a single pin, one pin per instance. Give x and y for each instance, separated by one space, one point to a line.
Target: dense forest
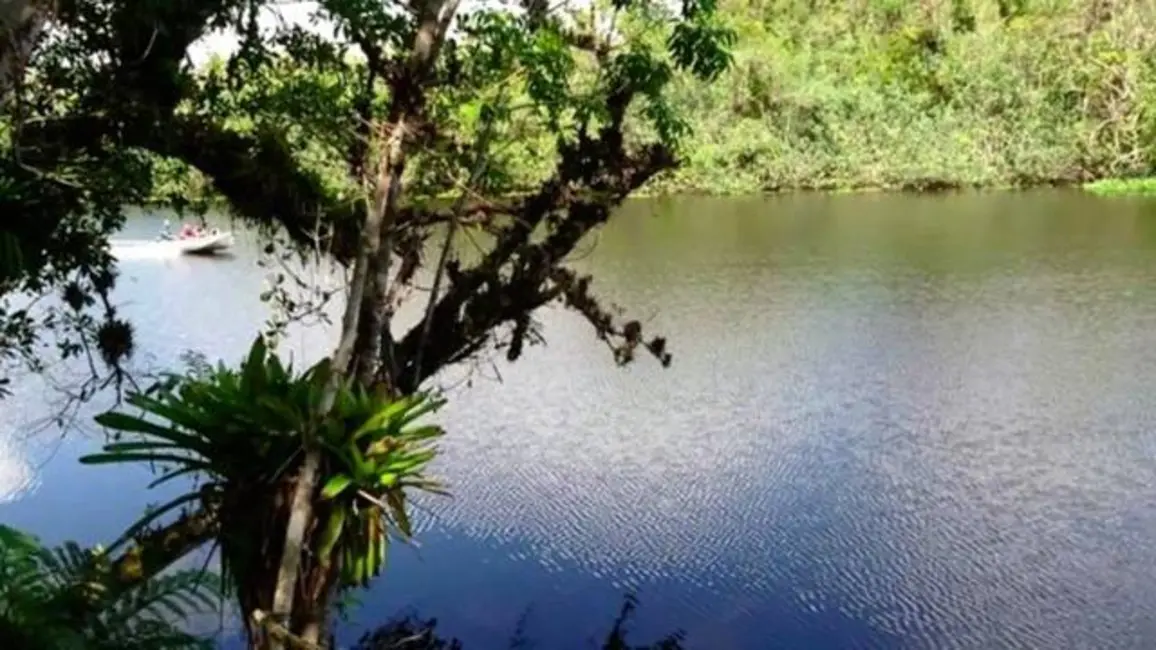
891 94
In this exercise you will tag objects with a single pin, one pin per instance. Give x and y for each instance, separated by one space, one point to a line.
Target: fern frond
58 599
178 595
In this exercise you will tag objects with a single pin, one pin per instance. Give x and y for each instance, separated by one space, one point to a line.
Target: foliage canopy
299 133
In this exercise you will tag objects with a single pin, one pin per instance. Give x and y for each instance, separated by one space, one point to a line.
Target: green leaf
399 514
335 486
424 433
179 412
253 369
126 457
11 538
379 549
340 452
362 469
407 464
426 485
168 476
131 424
378 421
277 373
333 530
123 447
320 370
256 353
284 414
427 405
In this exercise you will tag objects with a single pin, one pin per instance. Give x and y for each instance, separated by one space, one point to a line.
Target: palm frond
175 596
62 599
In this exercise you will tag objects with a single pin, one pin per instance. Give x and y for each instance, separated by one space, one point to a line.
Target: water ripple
889 423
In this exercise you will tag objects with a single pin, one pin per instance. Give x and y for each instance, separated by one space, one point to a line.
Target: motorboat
209 243
205 243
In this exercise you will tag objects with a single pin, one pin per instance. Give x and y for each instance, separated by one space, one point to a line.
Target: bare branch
482 297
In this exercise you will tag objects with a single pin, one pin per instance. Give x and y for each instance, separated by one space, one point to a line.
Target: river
891 421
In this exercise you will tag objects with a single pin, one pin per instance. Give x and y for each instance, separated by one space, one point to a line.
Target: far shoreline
1137 187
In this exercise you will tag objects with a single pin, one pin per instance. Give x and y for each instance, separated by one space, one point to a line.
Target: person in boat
189 231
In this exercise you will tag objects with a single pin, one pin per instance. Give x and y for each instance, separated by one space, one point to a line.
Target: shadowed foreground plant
62 598
240 435
411 632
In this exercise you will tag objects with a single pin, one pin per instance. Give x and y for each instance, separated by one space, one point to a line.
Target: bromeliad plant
379 460
241 433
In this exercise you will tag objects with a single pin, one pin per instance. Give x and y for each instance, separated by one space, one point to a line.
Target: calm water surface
891 422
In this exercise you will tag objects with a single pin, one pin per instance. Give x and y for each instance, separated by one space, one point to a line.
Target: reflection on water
16 477
891 421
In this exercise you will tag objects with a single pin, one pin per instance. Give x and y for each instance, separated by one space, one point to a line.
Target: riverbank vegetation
885 94
926 95
1140 186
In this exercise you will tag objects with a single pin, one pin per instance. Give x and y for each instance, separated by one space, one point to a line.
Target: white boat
207 244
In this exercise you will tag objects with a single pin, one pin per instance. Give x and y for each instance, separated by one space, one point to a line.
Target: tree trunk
347 354
21 23
300 516
366 297
406 107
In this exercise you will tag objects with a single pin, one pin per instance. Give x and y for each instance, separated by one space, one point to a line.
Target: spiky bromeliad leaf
374 466
126 423
336 485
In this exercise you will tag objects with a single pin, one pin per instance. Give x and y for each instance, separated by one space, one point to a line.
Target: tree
21 22
408 101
